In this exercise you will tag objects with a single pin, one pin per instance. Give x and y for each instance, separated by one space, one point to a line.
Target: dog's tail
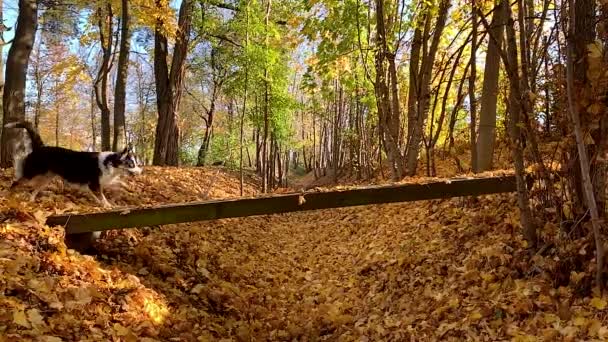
31 131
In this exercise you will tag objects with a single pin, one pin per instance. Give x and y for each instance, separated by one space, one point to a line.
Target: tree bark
242 123
515 107
13 97
423 99
472 98
266 103
489 95
583 29
589 194
169 85
121 80
104 22
218 76
39 88
387 98
93 123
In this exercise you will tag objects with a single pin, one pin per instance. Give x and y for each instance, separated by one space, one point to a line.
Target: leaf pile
436 270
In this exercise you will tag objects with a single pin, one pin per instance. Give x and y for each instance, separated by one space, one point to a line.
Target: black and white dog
91 169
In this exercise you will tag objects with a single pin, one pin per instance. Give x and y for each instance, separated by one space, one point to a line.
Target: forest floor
434 270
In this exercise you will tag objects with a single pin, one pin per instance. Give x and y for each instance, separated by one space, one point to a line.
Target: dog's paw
106 204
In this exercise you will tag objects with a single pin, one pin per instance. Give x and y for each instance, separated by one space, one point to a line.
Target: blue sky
11 10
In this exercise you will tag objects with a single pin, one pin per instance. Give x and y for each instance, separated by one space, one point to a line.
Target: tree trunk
39 87
242 123
423 99
414 86
387 95
93 123
2 42
13 98
121 80
57 116
104 22
584 34
204 149
218 78
489 95
169 85
472 99
266 102
589 194
515 107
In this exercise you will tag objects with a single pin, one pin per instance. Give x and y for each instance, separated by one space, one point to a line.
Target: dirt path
328 275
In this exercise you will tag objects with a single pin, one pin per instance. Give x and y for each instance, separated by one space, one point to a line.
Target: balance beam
282 203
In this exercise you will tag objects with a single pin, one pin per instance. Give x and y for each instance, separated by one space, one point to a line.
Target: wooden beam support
275 204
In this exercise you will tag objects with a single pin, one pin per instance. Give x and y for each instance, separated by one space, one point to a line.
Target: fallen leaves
435 270
598 303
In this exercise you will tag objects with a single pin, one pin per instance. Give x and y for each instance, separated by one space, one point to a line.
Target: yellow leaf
487 276
580 321
594 327
475 316
595 50
121 330
40 216
598 303
35 318
595 108
20 319
50 339
589 139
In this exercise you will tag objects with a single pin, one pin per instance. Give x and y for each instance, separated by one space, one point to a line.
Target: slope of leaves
436 270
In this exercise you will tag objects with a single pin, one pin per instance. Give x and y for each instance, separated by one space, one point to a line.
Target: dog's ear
125 151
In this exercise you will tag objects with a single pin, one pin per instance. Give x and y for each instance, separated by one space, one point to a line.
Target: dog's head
128 161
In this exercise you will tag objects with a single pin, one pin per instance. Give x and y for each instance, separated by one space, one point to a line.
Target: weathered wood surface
283 203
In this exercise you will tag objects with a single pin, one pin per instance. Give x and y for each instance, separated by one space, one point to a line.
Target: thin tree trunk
387 95
515 96
472 99
266 101
582 152
104 23
57 116
244 95
39 87
428 60
121 80
93 124
2 42
169 84
489 94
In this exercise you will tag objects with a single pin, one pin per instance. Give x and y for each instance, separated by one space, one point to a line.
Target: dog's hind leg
39 183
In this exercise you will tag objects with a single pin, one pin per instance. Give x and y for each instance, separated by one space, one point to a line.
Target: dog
94 170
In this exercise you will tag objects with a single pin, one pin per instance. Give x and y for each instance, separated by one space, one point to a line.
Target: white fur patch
11 125
136 170
18 161
108 172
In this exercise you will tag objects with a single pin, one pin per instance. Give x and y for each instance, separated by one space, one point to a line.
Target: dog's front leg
104 201
96 190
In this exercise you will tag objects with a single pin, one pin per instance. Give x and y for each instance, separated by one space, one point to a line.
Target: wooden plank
275 204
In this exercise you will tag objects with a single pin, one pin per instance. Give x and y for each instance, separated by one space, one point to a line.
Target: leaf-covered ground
436 270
